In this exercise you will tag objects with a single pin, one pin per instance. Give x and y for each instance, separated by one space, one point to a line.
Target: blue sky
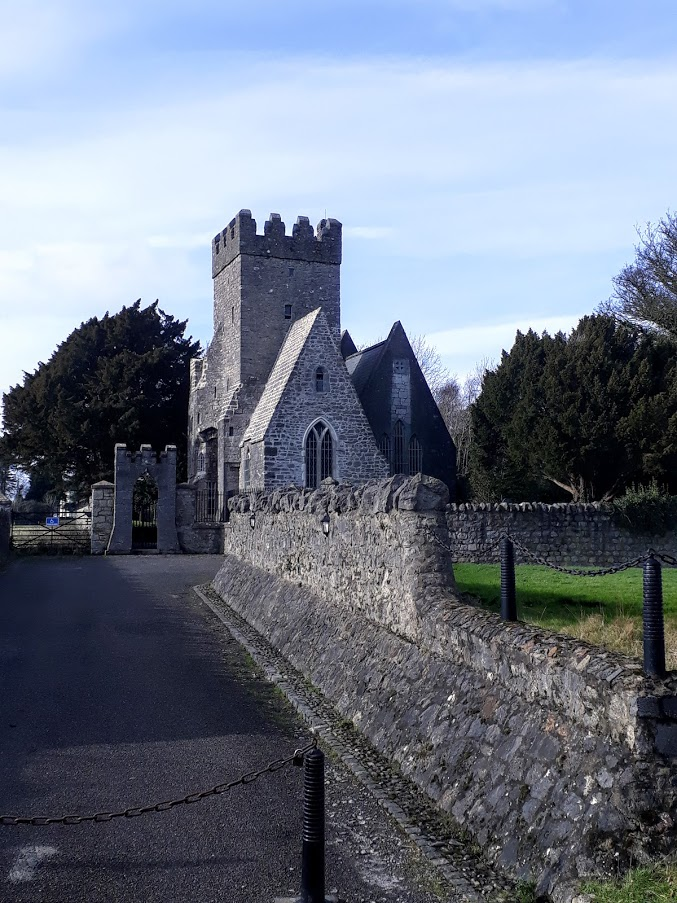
489 159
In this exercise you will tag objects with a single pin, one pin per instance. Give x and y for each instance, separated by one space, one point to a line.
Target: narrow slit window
247 468
287 311
384 447
321 380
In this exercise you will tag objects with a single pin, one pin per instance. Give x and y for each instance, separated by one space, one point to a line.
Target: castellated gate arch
129 467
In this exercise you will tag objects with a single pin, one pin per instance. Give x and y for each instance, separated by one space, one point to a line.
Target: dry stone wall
583 535
556 756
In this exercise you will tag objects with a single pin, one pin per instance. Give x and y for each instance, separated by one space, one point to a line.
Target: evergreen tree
122 378
585 414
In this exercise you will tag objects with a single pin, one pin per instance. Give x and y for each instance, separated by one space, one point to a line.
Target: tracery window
319 455
398 448
321 380
415 456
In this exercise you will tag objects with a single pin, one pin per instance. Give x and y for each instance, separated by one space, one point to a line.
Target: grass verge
645 885
605 611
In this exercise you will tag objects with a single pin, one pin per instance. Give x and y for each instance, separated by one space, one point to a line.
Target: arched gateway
160 470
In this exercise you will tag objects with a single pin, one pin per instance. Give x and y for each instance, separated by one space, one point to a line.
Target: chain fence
133 811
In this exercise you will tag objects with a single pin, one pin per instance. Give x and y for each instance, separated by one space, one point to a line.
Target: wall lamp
325 525
252 520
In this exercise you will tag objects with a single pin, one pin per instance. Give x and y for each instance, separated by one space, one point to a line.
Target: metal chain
669 560
579 572
133 811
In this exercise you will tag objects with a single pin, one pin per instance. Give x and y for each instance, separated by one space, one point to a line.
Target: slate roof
362 365
279 376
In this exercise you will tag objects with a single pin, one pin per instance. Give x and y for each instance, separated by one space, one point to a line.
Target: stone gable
292 404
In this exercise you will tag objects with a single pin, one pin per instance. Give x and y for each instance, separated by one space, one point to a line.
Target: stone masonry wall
356 457
555 755
102 505
194 537
5 527
583 535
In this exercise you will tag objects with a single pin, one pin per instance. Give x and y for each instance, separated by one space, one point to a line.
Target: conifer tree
586 414
121 378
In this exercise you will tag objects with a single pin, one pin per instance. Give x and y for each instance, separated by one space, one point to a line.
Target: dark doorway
144 513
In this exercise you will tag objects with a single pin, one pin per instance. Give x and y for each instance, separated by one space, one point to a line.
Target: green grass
603 610
645 885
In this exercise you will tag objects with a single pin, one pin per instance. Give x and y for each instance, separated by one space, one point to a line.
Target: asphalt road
117 689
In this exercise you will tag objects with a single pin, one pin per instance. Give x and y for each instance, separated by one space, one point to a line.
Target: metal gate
51 534
144 526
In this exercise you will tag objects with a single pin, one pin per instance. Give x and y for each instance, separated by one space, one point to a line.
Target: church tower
262 285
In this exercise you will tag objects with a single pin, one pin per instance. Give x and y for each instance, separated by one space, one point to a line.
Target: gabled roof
279 376
362 365
347 346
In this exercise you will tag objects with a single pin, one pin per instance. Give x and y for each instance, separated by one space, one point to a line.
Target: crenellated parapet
145 456
322 245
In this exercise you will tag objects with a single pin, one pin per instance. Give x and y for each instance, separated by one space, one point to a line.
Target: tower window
319 455
415 456
321 380
398 448
291 271
287 311
232 315
214 391
230 430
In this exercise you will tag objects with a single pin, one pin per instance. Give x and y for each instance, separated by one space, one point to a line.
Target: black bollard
508 596
654 634
312 863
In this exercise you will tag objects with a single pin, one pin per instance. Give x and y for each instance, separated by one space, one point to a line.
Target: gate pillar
129 466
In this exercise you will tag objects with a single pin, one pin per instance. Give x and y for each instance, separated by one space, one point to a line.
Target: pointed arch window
398 448
319 452
415 456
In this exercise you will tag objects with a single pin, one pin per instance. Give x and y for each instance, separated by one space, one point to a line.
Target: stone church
281 396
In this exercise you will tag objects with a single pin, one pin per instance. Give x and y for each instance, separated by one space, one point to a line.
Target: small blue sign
52 521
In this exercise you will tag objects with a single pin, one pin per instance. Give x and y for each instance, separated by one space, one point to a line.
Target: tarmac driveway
118 688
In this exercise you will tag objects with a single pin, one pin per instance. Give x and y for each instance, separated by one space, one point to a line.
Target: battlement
145 455
239 237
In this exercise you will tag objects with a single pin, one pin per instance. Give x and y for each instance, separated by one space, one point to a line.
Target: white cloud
37 36
483 161
483 339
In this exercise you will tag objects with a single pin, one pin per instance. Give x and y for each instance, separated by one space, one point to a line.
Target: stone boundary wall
555 755
194 537
579 535
5 527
